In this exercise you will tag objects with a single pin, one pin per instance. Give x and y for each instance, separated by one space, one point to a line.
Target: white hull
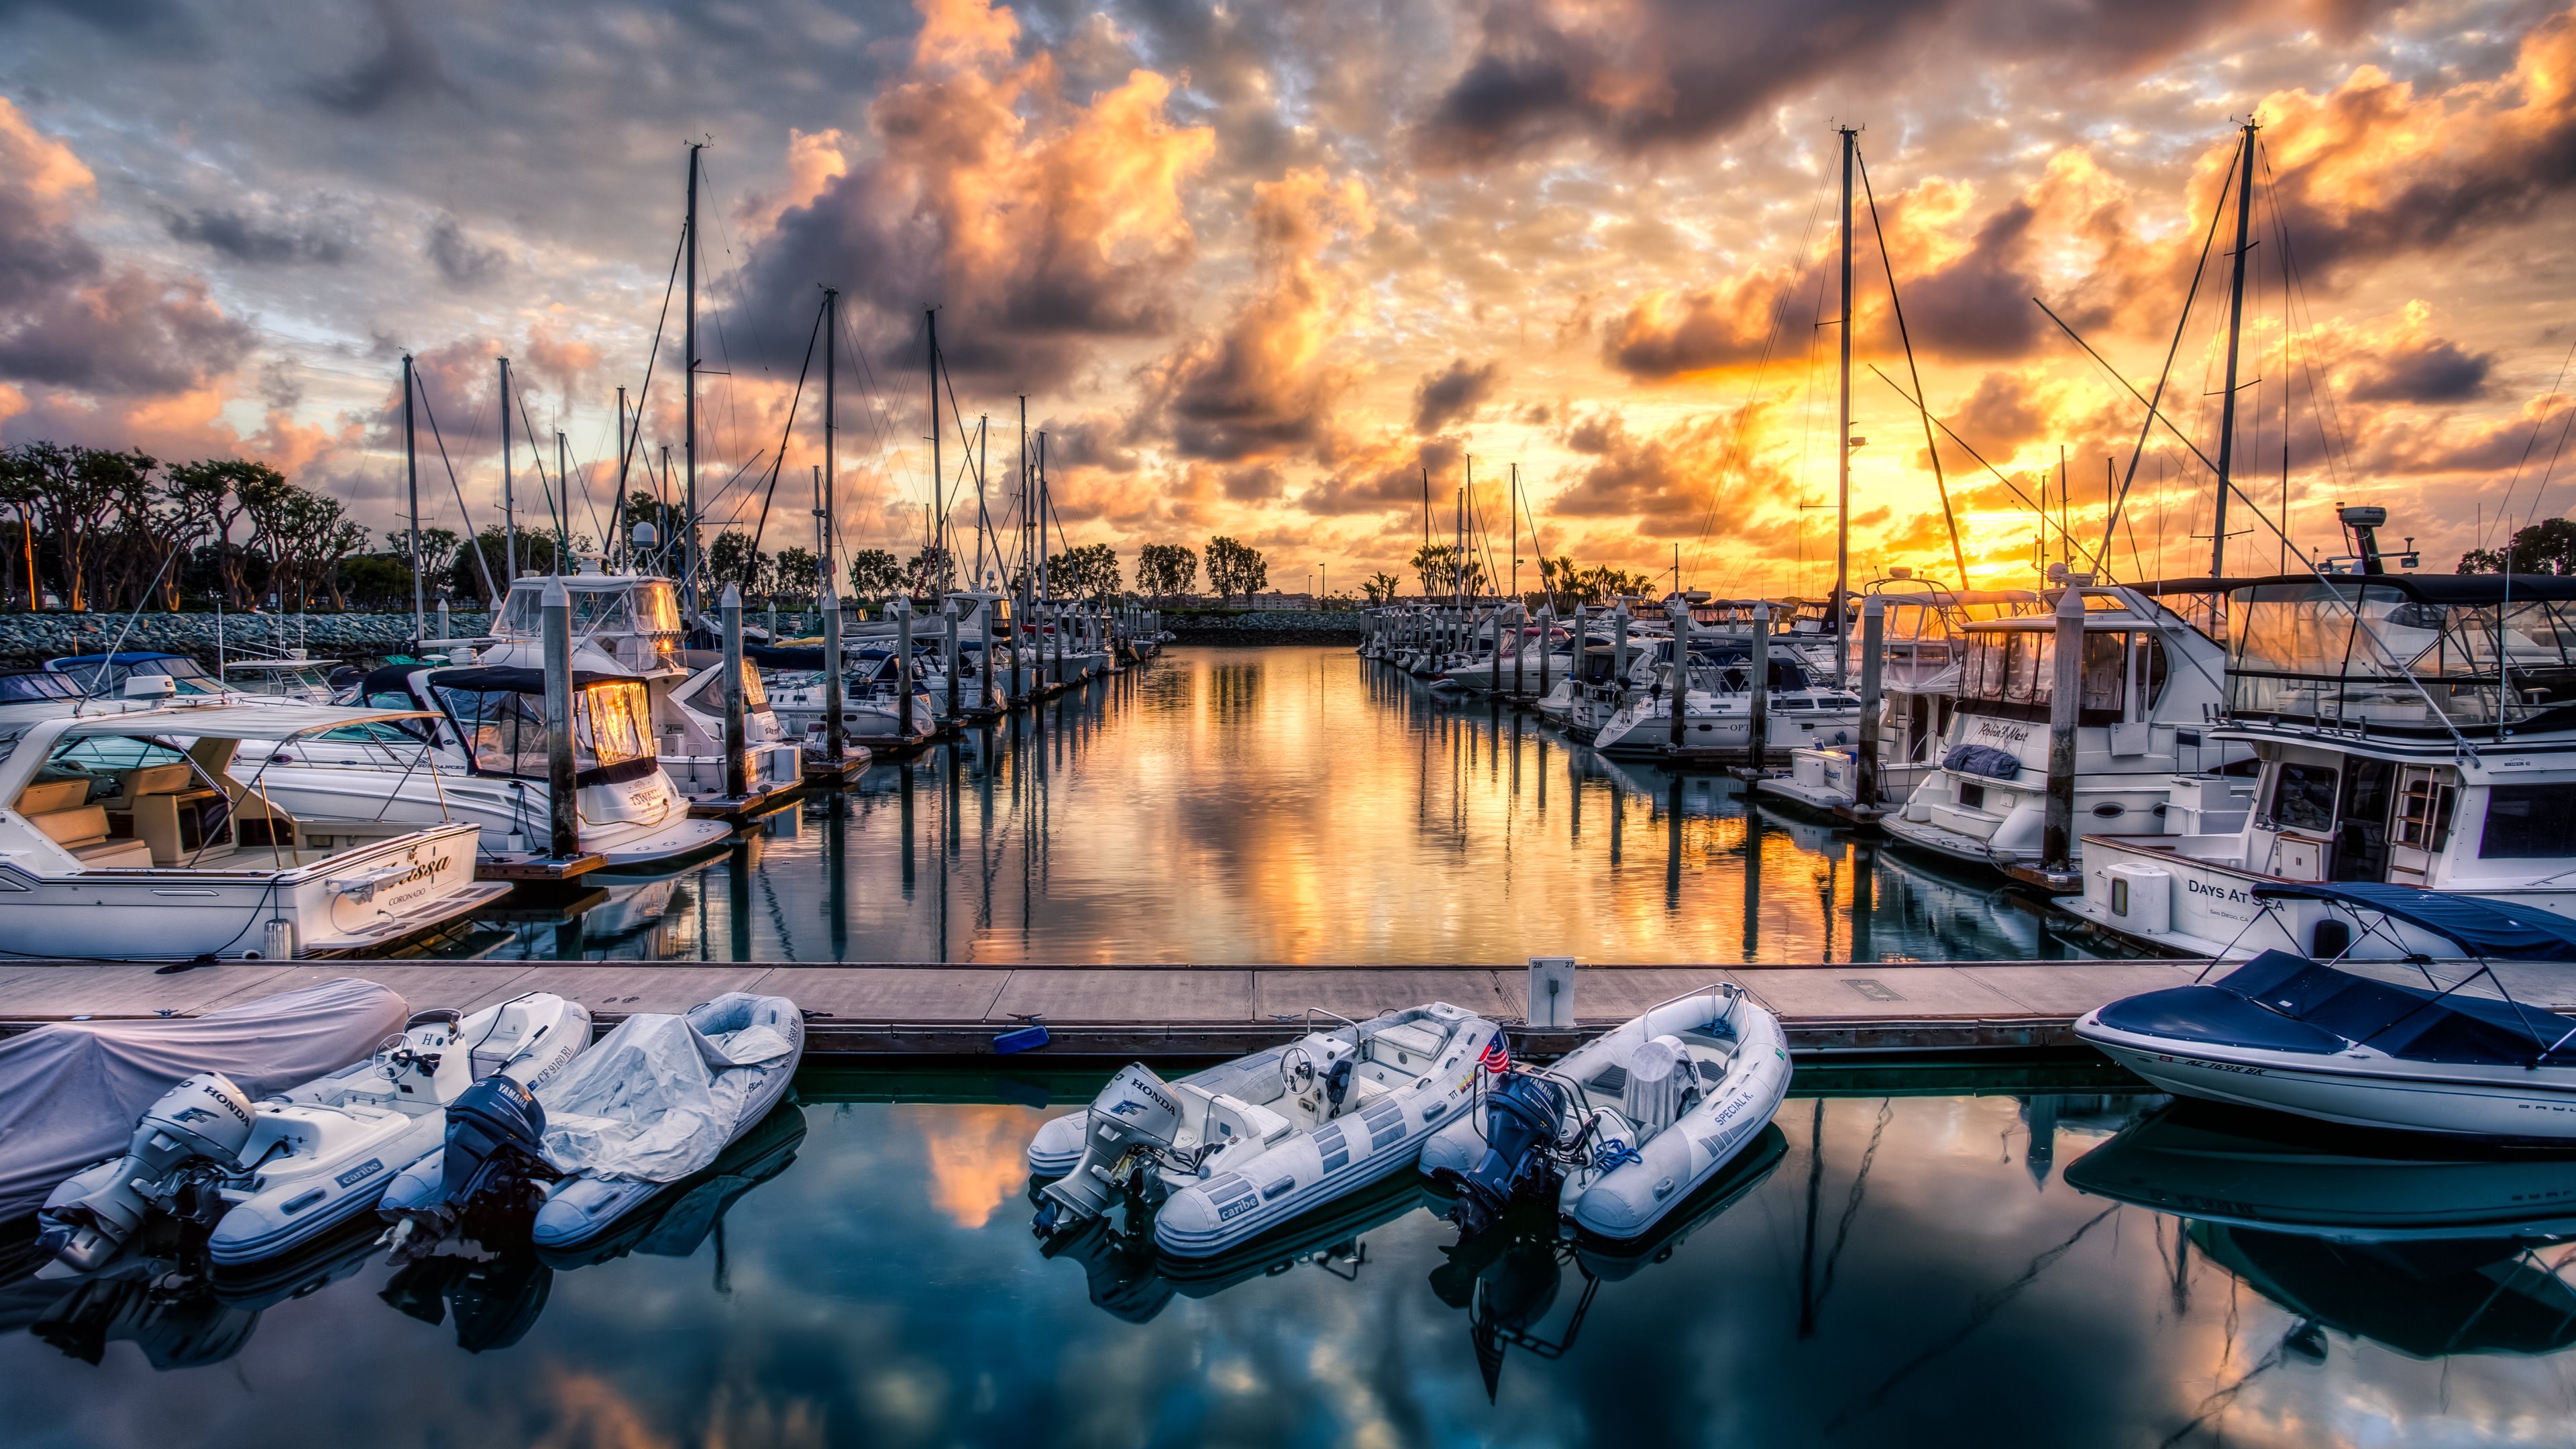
632 822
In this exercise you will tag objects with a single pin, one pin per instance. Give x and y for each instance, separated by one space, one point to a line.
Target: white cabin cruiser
272 1175
2150 683
151 815
110 676
656 1100
1629 1125
295 678
628 625
2371 703
488 726
2289 1034
1717 714
1304 1124
1919 693
869 712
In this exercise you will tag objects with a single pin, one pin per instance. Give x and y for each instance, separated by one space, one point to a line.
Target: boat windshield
35 685
709 698
507 729
2013 672
644 606
2351 651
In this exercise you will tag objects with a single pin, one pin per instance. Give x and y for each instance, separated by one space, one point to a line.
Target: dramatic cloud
1445 397
2432 370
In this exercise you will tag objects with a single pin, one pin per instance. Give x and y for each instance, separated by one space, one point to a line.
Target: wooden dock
1176 1012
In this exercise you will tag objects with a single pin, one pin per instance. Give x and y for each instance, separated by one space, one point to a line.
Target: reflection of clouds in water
591 1413
977 1156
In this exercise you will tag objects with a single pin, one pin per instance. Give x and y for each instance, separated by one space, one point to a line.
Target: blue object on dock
1021 1039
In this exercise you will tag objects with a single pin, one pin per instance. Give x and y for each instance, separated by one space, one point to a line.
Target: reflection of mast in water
903 798
1825 892
1618 814
1811 1301
738 898
2039 1114
836 866
1673 847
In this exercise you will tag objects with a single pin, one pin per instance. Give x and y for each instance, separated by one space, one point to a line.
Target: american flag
1497 1058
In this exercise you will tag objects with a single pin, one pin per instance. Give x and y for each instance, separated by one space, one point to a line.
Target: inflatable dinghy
277 1173
1625 1128
657 1100
1296 1127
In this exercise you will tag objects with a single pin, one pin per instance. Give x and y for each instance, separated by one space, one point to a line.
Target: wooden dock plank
1874 990
464 986
899 993
2073 988
128 989
1359 994
1142 997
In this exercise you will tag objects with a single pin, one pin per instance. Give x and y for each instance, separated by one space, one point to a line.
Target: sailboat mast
689 389
1843 448
612 545
831 420
509 514
411 481
2235 325
938 500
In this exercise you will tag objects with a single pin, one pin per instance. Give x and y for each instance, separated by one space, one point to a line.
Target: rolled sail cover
70 1092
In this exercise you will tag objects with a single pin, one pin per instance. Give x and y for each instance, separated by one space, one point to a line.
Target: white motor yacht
2150 684
305 681
169 820
480 754
629 625
2395 747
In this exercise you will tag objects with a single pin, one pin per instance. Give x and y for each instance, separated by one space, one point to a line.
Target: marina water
1289 804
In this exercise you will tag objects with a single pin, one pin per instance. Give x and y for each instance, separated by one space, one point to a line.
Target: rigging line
528 426
465 516
779 463
2112 523
2330 431
587 502
2546 474
626 446
1958 555
2045 520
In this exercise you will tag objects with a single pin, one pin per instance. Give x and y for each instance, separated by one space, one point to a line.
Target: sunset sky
1255 267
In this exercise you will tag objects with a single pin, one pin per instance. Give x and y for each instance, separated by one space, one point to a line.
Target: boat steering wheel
1299 1076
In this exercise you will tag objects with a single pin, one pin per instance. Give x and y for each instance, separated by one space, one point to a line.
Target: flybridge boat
2293 1035
487 726
629 625
170 819
1919 689
2150 683
2397 745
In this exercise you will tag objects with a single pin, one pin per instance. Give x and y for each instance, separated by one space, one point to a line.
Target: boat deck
1174 1012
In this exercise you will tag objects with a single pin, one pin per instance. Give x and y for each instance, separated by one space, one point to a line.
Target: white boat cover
70 1091
655 1099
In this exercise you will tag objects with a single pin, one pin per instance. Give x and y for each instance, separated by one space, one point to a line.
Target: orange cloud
978 1157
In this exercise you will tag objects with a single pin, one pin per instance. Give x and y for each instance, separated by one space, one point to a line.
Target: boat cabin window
646 606
2303 797
2353 651
2529 822
709 698
2013 673
507 730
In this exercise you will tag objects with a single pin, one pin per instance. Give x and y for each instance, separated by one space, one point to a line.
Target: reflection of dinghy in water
280 1172
1238 1151
2422 1244
496 1299
1130 1280
163 1297
673 1226
1626 1127
656 1101
1509 1280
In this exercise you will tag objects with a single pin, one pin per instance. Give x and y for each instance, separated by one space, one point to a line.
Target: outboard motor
1135 1115
495 1159
205 1119
1523 1119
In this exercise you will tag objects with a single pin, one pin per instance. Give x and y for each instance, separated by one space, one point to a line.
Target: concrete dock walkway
1186 1011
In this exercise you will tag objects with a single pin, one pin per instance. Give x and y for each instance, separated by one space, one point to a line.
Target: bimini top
489 679
2479 926
783 656
2284 1003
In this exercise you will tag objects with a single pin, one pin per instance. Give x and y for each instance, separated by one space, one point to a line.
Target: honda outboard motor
1135 1115
205 1119
1523 1118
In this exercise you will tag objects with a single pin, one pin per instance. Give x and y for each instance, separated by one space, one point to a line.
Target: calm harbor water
1882 1268
1289 804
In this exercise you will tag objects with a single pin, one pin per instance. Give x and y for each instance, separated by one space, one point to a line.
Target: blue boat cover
2281 1002
769 656
2482 927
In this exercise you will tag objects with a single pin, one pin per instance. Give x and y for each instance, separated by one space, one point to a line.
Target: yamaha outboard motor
1523 1118
204 1120
496 1143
